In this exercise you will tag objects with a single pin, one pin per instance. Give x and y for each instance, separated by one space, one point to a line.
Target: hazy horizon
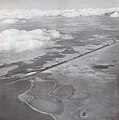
56 4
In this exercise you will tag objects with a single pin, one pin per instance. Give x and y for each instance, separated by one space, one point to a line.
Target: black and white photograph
59 59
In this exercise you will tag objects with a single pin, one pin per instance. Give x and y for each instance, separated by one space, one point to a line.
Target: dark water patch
55 55
58 47
37 63
102 66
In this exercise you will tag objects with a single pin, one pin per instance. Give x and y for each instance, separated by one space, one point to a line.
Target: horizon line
62 9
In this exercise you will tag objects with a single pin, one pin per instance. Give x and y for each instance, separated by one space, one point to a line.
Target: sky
57 4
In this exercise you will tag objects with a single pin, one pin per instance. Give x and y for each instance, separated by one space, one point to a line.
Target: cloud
27 14
114 15
9 21
21 40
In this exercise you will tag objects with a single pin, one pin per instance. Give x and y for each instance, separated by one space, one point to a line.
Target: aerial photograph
59 59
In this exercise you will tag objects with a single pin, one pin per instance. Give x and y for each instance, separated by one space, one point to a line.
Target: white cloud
21 40
27 14
114 15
